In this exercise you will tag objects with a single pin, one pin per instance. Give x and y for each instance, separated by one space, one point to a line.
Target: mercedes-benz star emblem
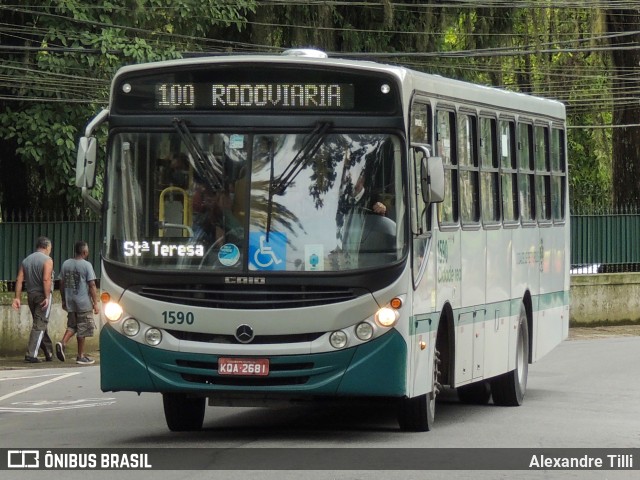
244 334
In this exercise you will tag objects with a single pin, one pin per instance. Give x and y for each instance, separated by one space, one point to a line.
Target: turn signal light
395 303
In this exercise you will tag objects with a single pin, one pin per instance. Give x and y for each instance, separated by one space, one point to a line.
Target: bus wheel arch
528 306
445 345
417 414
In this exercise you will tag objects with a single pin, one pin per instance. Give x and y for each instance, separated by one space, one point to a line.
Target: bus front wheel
418 414
183 413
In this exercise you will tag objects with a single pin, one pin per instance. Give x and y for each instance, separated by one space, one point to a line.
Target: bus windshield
295 202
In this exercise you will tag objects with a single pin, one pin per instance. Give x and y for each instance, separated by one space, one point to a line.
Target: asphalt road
584 394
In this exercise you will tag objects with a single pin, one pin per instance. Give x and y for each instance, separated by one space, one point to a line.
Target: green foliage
82 44
538 50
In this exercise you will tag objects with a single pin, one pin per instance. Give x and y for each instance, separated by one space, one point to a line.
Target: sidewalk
18 363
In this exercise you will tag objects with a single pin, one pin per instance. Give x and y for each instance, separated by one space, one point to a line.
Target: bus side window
543 174
489 172
558 174
420 135
468 165
508 172
526 173
445 148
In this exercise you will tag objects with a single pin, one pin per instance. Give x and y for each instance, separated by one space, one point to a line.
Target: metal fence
601 241
605 241
18 234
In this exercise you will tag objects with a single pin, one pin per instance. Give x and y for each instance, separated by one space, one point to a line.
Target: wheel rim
521 361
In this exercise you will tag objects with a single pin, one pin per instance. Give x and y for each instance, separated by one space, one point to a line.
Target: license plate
255 367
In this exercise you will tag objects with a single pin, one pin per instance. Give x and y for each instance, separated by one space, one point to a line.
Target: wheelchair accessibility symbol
267 255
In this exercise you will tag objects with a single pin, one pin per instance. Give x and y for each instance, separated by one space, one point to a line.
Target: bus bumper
377 368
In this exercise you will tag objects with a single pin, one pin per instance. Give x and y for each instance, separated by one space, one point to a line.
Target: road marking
38 406
29 377
38 385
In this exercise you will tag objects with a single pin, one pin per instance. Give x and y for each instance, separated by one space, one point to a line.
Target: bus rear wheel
508 389
418 414
183 413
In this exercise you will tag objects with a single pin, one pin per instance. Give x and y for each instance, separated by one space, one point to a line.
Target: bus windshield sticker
267 254
229 255
314 258
236 142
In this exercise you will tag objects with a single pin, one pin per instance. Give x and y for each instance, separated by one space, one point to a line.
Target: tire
475 393
418 414
508 390
182 413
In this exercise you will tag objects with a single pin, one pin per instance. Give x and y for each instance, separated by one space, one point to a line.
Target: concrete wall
605 298
602 298
15 327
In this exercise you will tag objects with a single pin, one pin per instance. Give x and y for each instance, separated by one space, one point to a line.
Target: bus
295 228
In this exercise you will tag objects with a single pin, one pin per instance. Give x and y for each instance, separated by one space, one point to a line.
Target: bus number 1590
178 318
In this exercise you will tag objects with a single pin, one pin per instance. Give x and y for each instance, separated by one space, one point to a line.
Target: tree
625 57
62 55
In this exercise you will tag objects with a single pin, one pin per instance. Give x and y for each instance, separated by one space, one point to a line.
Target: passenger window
543 174
526 173
448 209
558 174
468 160
509 172
489 176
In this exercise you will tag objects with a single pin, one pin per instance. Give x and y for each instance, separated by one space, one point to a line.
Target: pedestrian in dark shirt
36 271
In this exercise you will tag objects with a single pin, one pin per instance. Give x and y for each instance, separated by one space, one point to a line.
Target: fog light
364 331
338 339
130 327
112 311
387 317
153 336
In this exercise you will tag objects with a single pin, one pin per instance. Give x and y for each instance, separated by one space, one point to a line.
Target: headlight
387 317
130 327
338 339
153 336
364 331
113 311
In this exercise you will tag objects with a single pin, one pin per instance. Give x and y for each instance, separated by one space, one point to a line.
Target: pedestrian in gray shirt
36 272
80 300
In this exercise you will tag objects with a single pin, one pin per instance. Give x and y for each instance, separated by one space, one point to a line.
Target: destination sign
251 89
269 96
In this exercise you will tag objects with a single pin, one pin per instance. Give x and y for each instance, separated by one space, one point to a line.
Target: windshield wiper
277 186
204 163
311 145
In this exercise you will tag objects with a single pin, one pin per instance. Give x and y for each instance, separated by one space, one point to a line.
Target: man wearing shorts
79 300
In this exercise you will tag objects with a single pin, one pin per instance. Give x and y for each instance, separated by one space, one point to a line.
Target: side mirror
432 179
86 163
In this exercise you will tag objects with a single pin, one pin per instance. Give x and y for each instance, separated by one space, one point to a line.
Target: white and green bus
296 228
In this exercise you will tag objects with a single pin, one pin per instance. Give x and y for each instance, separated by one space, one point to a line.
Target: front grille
256 297
209 376
258 339
245 381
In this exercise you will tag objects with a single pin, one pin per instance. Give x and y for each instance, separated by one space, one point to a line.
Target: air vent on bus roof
305 52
